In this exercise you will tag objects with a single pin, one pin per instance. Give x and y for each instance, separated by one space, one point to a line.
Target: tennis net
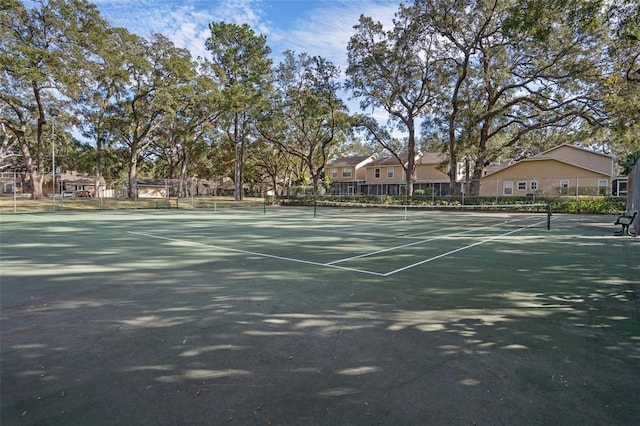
534 215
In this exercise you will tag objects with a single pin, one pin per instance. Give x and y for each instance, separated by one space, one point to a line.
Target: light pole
53 113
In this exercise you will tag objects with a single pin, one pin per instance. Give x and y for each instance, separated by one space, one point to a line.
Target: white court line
405 245
290 259
460 249
428 240
333 264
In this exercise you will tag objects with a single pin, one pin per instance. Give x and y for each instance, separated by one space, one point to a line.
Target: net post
315 207
548 216
265 205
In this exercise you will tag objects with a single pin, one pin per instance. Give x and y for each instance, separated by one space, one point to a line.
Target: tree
101 88
518 67
307 120
185 136
620 89
158 73
43 54
241 65
393 70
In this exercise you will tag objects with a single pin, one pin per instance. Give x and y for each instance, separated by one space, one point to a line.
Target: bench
163 204
625 221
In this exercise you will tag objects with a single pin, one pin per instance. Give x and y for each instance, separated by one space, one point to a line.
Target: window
534 185
334 173
602 186
376 173
522 186
507 188
346 173
621 187
390 172
7 188
564 187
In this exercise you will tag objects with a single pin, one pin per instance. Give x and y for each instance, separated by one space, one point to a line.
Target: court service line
271 256
426 241
373 253
459 249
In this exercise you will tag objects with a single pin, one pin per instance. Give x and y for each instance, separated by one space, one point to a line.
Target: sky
317 27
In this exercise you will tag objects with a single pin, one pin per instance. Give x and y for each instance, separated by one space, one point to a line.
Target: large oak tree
393 70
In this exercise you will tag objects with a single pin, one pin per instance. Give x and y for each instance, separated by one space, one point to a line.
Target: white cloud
240 12
187 28
323 29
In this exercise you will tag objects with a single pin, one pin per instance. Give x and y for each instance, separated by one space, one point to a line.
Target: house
75 183
369 175
12 182
154 188
347 175
430 174
385 176
563 170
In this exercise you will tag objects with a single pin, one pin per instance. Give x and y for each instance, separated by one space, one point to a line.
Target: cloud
322 28
325 30
318 28
240 12
187 28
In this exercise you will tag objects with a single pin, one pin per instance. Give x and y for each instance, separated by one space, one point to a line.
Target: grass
241 316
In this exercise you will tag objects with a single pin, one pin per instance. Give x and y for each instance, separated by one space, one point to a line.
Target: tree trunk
239 164
481 158
183 174
133 175
411 158
274 178
453 160
242 153
37 180
36 177
315 180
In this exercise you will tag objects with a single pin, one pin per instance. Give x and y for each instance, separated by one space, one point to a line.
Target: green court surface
298 316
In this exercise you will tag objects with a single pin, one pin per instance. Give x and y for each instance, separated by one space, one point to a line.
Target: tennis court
373 241
307 315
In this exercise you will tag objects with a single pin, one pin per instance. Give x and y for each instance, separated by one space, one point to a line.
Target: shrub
589 204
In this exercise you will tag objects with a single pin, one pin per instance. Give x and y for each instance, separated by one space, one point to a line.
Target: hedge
585 204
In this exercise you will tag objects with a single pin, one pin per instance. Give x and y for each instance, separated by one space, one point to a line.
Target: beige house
563 170
153 189
385 176
348 174
430 174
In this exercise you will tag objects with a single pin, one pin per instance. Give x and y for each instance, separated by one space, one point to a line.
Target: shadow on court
100 326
